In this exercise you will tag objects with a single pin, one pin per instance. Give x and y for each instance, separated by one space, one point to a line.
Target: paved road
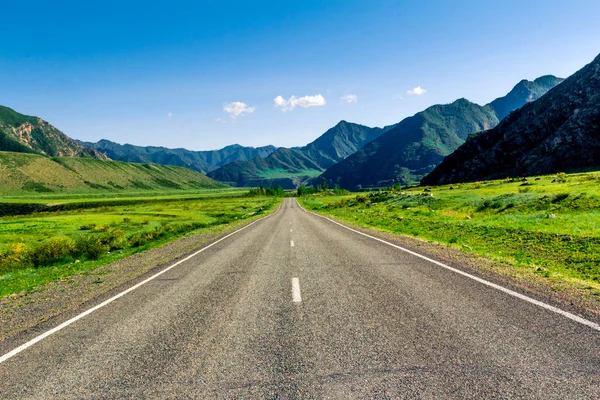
373 322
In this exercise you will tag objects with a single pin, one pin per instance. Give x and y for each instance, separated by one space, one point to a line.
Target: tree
302 191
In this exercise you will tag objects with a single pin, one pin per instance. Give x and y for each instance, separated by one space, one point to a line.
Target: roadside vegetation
321 190
544 228
80 234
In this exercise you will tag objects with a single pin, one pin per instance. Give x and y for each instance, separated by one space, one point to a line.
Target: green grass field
46 246
545 228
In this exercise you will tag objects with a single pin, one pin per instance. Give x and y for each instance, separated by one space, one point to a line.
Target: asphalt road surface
296 306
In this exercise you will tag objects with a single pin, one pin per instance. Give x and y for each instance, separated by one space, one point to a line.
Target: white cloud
418 91
169 115
303 102
349 98
237 109
279 102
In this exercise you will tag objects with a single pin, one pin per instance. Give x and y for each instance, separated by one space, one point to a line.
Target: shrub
561 177
560 197
101 228
89 246
17 256
137 240
489 204
51 252
114 239
89 227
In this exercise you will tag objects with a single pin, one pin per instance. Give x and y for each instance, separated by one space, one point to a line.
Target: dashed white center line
291 230
291 243
296 297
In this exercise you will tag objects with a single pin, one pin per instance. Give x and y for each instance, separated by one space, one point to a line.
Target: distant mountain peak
523 92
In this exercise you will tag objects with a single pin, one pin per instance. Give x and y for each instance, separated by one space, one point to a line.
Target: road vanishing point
296 306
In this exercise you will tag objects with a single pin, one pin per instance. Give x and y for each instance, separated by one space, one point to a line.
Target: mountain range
201 161
540 126
416 145
558 132
290 167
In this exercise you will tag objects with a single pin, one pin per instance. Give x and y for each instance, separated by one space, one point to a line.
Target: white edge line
44 335
291 243
518 295
296 296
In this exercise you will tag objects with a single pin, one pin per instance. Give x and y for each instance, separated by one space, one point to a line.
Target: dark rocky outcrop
558 132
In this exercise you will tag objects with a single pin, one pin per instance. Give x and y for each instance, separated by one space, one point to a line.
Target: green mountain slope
558 132
23 133
22 173
291 167
419 143
201 161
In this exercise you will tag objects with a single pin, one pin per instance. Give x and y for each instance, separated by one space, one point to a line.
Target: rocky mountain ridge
27 134
560 132
416 145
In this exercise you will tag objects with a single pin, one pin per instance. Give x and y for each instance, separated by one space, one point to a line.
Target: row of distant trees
277 191
323 187
302 190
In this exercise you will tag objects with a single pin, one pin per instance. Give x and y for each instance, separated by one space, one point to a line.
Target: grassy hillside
293 167
24 133
543 229
22 173
201 161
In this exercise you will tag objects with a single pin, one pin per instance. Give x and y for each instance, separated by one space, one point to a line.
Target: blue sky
176 73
